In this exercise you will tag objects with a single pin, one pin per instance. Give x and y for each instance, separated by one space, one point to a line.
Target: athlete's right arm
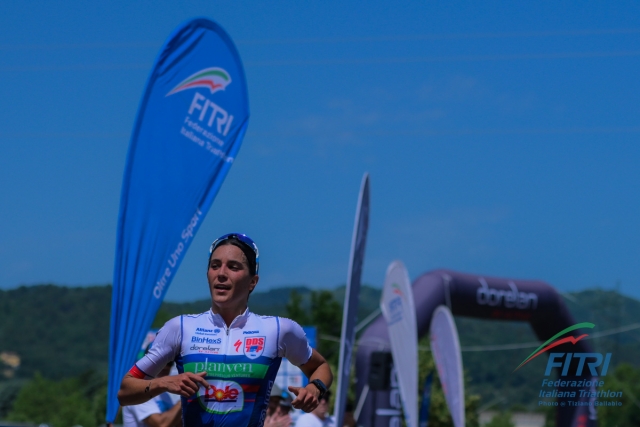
139 384
134 391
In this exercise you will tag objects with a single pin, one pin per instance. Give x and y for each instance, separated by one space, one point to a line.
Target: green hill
61 332
274 301
58 331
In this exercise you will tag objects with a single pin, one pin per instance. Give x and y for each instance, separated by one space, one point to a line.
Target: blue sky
501 138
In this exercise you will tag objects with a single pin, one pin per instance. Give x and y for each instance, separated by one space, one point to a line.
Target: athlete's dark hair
246 250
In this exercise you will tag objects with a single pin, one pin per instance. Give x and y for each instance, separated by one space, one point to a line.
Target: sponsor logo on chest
206 340
221 397
254 347
220 369
205 331
205 349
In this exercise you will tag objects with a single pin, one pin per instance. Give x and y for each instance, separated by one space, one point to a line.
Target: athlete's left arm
294 346
316 368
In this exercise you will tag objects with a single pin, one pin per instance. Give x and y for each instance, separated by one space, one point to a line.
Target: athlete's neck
228 314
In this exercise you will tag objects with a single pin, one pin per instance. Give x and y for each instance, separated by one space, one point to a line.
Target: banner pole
363 397
352 290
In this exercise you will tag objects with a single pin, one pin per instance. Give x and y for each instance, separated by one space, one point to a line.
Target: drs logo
254 347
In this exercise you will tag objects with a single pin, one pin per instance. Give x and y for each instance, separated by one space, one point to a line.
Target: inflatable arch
476 296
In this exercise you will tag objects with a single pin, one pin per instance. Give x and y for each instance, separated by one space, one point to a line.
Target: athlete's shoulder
205 323
261 316
172 324
291 334
165 348
289 325
197 315
199 319
265 324
281 324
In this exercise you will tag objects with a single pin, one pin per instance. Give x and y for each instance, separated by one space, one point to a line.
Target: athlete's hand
185 385
306 398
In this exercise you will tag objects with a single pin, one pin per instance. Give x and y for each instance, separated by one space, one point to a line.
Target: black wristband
320 385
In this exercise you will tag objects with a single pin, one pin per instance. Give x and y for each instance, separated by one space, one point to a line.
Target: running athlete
227 357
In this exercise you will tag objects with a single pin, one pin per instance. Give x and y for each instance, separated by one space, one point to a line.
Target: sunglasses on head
241 238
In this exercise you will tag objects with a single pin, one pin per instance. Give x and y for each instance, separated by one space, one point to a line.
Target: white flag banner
351 294
399 311
445 347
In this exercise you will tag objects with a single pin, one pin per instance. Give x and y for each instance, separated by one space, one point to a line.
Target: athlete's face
229 280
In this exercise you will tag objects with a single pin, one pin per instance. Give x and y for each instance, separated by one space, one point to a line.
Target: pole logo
550 343
213 78
221 397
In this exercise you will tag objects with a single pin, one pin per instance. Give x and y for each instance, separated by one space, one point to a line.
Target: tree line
59 332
